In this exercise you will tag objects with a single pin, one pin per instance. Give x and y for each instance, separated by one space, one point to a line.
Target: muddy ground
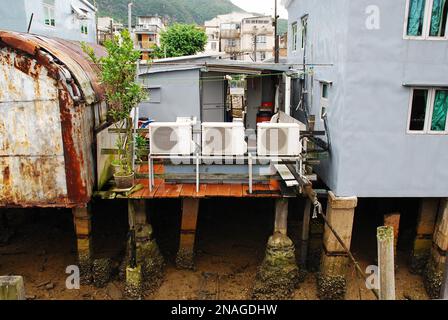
231 240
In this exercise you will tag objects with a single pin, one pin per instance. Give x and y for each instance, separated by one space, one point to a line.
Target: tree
117 73
181 40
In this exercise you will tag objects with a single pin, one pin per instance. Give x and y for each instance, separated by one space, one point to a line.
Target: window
49 17
262 56
261 39
84 29
428 111
426 19
231 42
304 31
214 46
154 94
294 36
324 86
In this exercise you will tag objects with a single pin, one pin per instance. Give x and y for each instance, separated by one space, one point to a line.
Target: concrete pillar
83 228
436 266
150 263
426 222
281 216
185 255
12 288
278 276
331 280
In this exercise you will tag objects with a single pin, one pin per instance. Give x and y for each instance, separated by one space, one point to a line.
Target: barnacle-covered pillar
278 275
331 279
436 266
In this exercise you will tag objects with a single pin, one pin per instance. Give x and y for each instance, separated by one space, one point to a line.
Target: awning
80 14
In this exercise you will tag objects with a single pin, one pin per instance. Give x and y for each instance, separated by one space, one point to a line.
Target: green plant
181 40
141 147
117 73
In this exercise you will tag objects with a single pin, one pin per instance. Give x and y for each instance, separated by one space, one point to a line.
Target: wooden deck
164 190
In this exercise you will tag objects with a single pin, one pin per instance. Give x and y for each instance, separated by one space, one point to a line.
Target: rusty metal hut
51 107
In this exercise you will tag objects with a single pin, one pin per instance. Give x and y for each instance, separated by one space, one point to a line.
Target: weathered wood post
385 240
305 233
82 218
12 288
185 255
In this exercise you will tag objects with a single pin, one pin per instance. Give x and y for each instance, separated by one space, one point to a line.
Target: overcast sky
261 6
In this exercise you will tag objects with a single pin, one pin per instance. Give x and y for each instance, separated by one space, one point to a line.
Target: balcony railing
230 34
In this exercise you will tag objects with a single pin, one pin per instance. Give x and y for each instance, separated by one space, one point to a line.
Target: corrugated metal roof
69 53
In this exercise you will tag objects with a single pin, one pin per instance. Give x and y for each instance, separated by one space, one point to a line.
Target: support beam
436 266
281 216
147 275
185 255
82 218
340 214
426 222
305 233
386 262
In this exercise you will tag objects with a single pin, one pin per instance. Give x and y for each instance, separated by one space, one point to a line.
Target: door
213 106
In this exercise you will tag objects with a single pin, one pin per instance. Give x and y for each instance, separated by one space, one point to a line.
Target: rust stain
6 176
76 187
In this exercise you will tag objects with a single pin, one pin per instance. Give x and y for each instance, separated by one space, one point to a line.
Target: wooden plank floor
164 190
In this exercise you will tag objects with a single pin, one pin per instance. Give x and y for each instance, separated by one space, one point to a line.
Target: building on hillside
376 80
244 36
107 28
283 50
65 19
147 33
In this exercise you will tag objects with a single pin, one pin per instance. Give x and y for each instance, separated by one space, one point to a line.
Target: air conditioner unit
223 138
171 138
278 139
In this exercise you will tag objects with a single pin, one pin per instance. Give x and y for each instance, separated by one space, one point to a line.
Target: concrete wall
179 95
17 15
372 155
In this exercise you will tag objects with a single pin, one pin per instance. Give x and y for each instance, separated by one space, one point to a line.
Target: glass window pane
325 90
418 112
440 111
416 17
438 18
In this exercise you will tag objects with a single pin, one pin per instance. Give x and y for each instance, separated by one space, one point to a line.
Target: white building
66 19
244 36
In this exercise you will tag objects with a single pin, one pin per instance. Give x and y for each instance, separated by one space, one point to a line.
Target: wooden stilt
385 240
185 256
305 233
83 228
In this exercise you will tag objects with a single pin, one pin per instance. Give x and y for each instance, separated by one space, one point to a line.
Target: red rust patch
76 187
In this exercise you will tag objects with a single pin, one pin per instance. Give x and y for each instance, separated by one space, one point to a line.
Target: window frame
426 24
324 101
47 9
294 31
304 31
429 111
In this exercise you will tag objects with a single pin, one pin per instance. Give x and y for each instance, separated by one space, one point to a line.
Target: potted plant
117 72
141 148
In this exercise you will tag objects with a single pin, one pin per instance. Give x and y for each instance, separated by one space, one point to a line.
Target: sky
261 6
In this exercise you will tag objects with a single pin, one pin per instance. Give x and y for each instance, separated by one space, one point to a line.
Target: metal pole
31 21
444 293
277 44
130 17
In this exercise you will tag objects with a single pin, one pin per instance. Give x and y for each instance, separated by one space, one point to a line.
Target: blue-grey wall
179 95
15 16
372 155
